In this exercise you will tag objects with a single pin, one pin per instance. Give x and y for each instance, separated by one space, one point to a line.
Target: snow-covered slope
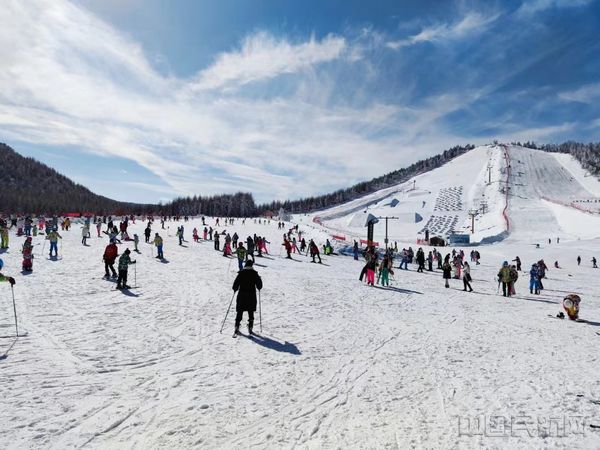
440 200
339 364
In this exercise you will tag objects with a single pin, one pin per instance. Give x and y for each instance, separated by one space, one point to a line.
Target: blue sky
149 100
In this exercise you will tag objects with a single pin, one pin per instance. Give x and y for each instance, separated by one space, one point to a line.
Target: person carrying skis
158 242
53 237
466 277
504 278
246 283
110 255
124 262
27 252
314 251
11 280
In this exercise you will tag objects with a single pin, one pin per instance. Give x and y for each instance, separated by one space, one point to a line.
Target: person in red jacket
288 247
110 255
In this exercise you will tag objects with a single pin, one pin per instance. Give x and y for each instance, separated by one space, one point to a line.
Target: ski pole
226 314
14 309
259 311
135 275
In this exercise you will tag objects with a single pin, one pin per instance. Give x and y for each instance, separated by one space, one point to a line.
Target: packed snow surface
338 364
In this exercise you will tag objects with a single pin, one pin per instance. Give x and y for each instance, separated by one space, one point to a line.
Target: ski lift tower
472 214
386 228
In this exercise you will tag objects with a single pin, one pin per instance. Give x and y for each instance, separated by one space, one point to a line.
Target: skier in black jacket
246 282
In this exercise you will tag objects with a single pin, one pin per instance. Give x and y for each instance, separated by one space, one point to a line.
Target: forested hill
28 186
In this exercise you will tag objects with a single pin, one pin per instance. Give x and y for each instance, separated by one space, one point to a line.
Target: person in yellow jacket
53 237
158 242
504 277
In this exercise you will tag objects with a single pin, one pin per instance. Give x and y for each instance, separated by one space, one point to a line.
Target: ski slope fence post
227 313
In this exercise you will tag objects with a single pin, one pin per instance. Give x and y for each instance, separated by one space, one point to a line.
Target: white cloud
534 6
586 94
262 56
469 24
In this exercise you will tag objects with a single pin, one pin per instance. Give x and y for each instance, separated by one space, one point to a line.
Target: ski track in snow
338 364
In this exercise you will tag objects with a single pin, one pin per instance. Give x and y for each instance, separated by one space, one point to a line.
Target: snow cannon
571 306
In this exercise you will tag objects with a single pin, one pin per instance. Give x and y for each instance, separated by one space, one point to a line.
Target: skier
504 278
124 262
11 280
53 237
235 239
147 232
250 248
98 228
85 233
288 248
420 260
355 251
447 272
217 246
109 257
158 242
371 268
246 282
179 234
205 234
467 277
314 251
27 252
136 241
578 260
518 261
534 280
594 262
430 262
384 271
241 255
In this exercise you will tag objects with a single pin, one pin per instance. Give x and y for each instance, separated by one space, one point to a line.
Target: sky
148 100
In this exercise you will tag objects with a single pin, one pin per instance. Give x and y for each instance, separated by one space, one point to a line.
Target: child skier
124 262
27 252
110 255
53 237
